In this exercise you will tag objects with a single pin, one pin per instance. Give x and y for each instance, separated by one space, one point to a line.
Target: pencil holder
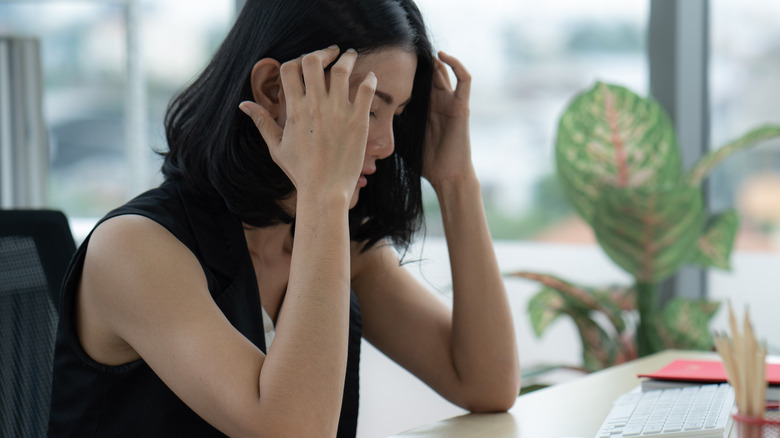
754 427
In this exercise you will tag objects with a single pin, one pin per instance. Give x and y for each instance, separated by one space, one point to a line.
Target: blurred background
528 59
110 68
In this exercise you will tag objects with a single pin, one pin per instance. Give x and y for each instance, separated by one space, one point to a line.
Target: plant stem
647 339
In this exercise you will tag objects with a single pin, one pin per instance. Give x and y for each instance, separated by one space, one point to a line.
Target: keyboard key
632 430
673 427
653 428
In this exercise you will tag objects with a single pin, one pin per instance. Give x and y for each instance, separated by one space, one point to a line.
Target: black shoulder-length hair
218 151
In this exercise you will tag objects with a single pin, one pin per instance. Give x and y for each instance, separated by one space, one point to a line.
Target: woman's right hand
321 142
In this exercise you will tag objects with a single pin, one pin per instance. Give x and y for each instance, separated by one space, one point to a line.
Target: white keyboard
693 411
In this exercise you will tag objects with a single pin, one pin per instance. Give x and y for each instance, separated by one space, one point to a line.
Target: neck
268 241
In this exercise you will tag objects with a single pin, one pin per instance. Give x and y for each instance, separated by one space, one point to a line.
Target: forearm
304 371
484 351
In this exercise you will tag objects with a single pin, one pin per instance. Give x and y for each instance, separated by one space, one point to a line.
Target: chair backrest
35 249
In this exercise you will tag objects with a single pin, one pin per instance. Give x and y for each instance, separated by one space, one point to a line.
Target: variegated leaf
708 162
544 308
599 349
650 233
685 324
609 137
714 247
612 304
576 299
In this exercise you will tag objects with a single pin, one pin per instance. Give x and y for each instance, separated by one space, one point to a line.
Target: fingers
340 72
365 93
265 123
441 80
313 67
292 82
463 89
306 75
307 71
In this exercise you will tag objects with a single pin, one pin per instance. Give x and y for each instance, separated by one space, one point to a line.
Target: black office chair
35 248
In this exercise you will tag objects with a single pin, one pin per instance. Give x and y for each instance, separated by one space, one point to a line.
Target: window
744 67
91 75
528 60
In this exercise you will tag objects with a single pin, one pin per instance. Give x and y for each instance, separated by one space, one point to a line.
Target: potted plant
620 166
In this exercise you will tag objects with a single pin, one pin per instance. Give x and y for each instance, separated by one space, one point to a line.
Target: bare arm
484 351
468 355
483 342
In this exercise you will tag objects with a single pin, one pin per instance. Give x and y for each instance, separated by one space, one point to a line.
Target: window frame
678 50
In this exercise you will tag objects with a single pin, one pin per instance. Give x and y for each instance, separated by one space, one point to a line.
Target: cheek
380 132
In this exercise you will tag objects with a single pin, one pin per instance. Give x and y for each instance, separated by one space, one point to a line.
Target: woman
232 299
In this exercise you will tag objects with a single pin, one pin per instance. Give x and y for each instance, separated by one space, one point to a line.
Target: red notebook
705 371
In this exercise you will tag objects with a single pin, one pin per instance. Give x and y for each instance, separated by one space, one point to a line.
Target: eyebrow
388 99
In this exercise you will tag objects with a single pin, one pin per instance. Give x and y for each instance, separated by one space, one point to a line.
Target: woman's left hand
447 157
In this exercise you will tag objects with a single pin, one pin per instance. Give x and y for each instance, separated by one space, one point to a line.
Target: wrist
466 182
319 202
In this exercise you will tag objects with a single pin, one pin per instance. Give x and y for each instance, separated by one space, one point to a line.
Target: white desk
572 409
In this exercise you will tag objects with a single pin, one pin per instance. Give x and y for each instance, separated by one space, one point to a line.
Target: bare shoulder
130 261
144 295
126 231
124 245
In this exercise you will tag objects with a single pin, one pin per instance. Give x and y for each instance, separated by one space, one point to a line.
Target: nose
381 141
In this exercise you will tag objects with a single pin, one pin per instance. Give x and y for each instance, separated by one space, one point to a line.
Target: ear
267 85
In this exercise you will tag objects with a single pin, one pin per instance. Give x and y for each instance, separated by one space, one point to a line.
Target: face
394 69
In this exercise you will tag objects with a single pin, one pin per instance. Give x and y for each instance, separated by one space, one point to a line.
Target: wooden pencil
749 367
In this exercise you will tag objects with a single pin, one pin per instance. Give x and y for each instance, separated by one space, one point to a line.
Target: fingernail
335 46
243 106
352 50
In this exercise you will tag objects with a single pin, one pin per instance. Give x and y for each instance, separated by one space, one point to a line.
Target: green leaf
576 300
708 162
612 302
609 137
544 308
685 324
650 233
714 247
599 349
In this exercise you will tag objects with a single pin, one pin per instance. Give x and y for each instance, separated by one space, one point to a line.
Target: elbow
495 399
492 404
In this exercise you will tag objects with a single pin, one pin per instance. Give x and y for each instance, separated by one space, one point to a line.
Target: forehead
394 69
392 59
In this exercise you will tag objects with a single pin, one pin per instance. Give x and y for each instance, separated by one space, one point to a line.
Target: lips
362 181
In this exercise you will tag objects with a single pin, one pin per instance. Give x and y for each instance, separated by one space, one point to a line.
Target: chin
355 197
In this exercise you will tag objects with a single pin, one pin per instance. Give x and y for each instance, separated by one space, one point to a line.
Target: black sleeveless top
94 400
